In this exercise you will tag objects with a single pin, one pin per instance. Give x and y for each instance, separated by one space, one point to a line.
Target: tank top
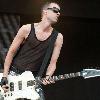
31 54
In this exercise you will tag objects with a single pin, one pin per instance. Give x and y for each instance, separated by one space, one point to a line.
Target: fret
55 78
71 75
61 77
74 74
78 74
66 76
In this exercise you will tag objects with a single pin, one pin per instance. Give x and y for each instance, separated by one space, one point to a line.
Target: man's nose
58 13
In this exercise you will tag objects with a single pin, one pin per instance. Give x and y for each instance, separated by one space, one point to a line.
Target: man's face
53 12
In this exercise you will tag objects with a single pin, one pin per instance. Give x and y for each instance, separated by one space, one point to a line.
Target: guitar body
21 86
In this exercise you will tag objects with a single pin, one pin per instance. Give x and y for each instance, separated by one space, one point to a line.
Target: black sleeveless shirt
31 54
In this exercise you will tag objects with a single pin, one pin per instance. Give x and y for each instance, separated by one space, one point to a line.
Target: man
30 44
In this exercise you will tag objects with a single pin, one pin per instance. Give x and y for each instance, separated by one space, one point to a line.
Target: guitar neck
62 77
66 76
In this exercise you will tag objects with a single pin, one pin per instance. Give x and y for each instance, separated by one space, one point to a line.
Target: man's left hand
48 80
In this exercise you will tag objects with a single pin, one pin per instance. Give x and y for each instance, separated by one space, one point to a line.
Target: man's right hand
4 84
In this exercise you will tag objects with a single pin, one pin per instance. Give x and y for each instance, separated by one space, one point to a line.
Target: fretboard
66 76
62 77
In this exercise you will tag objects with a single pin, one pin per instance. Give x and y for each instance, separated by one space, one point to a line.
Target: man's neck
45 25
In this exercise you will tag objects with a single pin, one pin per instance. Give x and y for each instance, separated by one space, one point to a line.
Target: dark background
80 25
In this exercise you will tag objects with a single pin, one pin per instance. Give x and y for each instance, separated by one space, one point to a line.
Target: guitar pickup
31 83
11 86
20 85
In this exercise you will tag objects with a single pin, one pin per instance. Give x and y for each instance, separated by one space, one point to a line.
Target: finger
45 81
5 88
51 80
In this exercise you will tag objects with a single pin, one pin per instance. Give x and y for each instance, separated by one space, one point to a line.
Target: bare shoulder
60 36
25 30
26 27
59 39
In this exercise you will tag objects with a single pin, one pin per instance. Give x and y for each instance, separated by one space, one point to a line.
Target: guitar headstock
88 73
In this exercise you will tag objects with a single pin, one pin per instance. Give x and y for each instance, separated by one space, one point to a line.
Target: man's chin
54 21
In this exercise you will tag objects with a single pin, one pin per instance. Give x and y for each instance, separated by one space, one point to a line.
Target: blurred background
80 25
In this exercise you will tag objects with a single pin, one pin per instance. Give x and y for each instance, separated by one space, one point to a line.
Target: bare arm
57 47
19 38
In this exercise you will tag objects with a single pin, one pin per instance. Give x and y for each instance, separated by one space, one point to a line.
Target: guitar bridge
31 83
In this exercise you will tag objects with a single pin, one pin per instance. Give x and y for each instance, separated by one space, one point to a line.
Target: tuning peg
97 67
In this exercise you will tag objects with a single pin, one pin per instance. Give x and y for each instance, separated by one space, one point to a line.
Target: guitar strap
48 53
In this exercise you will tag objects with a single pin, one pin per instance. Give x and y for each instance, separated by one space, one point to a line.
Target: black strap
48 53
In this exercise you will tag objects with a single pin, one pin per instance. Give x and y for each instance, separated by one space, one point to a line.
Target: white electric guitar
23 86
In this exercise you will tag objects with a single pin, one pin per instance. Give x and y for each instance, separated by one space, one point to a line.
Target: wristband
4 81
